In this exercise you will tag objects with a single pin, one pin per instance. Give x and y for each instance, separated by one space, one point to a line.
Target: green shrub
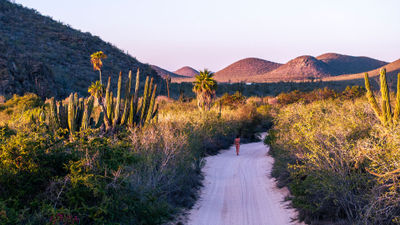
320 94
338 161
233 100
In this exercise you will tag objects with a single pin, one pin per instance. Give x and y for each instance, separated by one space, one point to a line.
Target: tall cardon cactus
386 115
130 111
73 116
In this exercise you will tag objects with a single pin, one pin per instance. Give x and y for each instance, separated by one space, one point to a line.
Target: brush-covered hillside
40 55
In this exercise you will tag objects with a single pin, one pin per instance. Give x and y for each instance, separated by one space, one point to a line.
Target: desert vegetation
339 155
108 159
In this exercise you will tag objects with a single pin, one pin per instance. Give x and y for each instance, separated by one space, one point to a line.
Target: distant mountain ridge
300 68
40 55
323 66
164 73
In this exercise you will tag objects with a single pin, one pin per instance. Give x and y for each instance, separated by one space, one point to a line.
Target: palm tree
97 90
205 86
95 59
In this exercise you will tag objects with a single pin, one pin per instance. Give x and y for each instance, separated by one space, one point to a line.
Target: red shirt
237 141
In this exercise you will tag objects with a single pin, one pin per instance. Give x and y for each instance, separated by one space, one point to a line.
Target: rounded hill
244 69
187 71
345 64
300 68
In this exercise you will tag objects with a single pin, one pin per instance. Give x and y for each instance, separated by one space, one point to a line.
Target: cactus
127 98
385 114
132 114
371 97
151 106
118 102
62 115
386 109
143 115
134 101
88 108
396 112
53 119
77 114
74 116
145 97
71 114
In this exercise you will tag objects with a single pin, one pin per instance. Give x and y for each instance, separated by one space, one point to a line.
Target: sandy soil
238 190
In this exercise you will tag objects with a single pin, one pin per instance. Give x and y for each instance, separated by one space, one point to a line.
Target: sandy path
238 190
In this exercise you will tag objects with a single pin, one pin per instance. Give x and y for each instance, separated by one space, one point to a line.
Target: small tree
204 87
95 59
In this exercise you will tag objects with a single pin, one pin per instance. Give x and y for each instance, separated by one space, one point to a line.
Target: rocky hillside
245 69
187 71
38 54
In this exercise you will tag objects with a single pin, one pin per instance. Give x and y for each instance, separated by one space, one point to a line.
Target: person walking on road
237 143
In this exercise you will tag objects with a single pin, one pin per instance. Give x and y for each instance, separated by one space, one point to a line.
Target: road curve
238 190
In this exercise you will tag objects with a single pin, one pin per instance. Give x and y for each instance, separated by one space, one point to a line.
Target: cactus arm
397 107
53 113
112 104
127 99
385 97
151 106
88 107
62 115
132 112
118 102
144 99
107 98
134 101
71 114
136 94
155 113
79 112
371 97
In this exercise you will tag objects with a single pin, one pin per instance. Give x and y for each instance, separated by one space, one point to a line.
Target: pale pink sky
214 33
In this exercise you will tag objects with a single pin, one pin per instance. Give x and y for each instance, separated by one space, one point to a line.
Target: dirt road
239 191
